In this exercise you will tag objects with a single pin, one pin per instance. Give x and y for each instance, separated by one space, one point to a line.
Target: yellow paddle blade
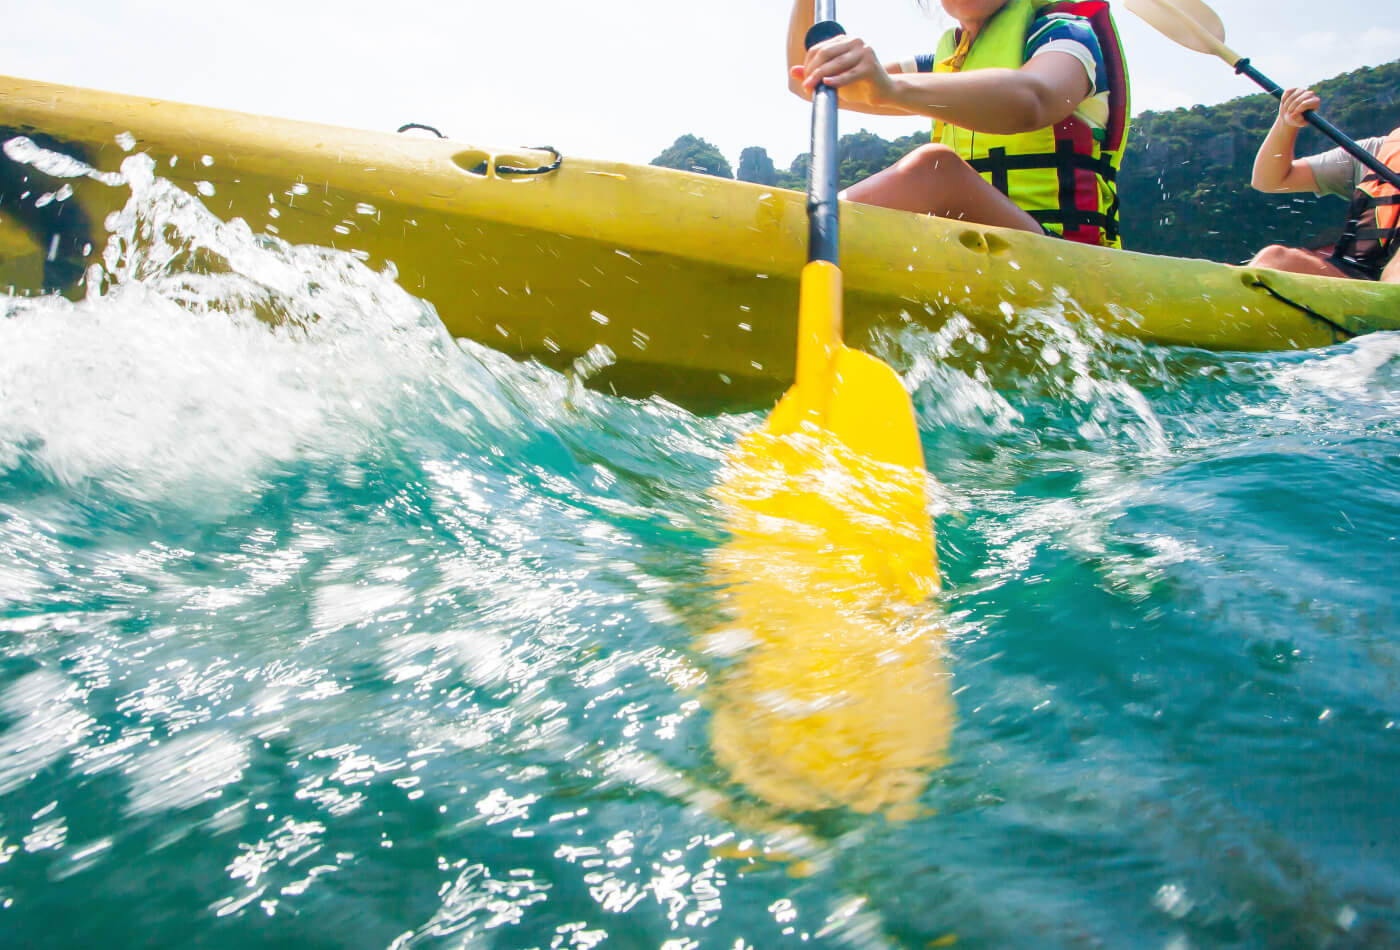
860 435
836 696
854 396
863 405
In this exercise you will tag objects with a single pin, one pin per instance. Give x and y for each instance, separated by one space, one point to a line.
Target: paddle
851 394
836 698
1192 24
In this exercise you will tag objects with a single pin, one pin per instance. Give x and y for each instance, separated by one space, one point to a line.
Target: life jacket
1064 176
1372 232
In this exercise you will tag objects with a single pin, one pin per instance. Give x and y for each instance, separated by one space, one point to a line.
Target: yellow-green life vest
1064 176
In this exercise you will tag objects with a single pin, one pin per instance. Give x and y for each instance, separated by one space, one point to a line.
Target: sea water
319 628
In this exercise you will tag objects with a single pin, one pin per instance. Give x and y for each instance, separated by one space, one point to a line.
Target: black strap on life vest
1065 161
1075 218
1364 243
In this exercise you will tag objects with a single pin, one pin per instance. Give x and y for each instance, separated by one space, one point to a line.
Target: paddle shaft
1244 68
823 226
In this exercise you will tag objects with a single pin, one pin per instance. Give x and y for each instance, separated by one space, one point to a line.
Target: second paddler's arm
1276 170
1044 91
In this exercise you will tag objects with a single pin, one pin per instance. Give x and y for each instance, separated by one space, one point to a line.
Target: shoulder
1061 26
1340 155
1335 172
1066 33
1374 143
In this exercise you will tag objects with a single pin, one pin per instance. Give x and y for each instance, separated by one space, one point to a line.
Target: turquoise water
321 629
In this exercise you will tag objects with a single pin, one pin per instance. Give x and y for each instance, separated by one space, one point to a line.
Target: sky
616 79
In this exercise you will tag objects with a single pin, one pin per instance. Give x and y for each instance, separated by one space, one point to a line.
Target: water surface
321 629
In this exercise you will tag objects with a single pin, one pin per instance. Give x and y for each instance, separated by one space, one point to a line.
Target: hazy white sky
614 79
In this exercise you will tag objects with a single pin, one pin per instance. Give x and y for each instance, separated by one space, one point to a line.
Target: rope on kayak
537 170
1336 327
419 125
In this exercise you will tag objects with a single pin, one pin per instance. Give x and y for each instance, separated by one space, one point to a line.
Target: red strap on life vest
1085 195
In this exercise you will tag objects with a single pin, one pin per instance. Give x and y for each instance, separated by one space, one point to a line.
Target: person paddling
1030 106
1371 236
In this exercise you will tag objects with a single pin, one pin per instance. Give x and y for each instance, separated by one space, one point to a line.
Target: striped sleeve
1072 35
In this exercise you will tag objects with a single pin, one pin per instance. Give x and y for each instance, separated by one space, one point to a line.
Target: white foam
205 355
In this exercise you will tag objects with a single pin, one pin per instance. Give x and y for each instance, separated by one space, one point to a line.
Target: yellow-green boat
690 280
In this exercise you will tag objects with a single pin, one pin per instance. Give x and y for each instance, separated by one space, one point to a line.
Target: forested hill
1185 177
1184 185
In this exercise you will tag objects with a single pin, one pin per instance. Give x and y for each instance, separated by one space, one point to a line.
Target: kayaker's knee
930 158
1296 260
1274 257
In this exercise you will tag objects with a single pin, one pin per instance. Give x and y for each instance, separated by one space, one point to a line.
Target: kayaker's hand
1294 103
846 63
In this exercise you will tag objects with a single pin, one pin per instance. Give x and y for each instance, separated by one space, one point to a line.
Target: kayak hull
690 280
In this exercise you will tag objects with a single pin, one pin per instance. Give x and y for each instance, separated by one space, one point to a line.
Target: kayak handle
538 169
409 126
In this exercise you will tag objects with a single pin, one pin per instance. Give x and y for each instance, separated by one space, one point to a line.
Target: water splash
204 357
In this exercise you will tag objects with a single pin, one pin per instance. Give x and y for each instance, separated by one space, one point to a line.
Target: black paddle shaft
823 218
1244 68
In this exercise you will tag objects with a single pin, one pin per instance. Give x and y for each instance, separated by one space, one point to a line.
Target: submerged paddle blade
1188 22
836 695
828 707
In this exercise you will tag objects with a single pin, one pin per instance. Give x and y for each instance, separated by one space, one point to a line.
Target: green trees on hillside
1184 184
692 154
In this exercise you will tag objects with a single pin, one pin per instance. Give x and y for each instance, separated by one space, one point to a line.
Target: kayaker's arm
1276 169
1041 93
1002 101
798 25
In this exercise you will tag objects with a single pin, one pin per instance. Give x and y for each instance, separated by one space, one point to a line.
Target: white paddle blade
1188 22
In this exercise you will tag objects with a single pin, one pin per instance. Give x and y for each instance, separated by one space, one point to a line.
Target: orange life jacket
1372 233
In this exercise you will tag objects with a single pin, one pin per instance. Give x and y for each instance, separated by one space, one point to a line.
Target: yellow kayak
690 280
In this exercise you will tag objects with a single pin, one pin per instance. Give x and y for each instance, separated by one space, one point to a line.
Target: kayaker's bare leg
933 179
1391 274
1295 260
